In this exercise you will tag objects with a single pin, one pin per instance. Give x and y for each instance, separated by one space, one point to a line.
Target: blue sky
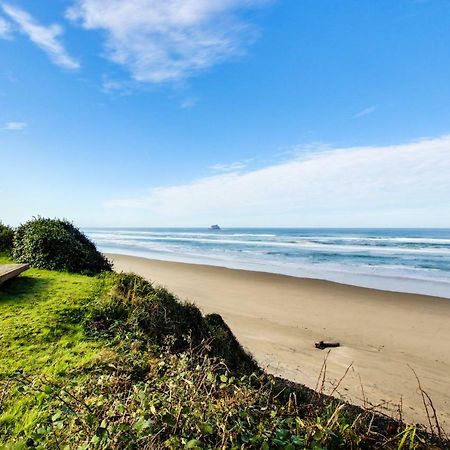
245 113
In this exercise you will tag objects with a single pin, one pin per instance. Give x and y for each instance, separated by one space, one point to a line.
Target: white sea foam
404 260
305 245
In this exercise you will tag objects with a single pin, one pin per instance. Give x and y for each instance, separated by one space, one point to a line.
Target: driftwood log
321 345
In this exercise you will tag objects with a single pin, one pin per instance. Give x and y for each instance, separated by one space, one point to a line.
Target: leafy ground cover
113 362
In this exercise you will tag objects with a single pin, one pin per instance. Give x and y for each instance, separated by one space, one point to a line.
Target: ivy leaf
57 415
206 428
194 443
141 424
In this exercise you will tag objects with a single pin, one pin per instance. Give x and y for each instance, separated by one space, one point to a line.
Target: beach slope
384 336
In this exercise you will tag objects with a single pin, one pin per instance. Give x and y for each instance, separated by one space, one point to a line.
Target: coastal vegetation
6 238
57 245
113 361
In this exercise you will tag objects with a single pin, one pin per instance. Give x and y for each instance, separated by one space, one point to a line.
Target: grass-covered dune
113 362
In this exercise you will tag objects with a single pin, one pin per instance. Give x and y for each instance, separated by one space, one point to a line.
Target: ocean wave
266 237
331 254
300 245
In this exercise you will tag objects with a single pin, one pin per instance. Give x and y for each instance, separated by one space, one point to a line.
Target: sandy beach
383 335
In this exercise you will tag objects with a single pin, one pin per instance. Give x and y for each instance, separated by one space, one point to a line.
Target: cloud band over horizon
363 186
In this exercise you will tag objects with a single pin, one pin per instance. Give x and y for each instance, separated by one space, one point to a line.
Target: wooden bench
8 271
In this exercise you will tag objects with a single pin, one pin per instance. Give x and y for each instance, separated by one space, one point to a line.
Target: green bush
6 238
134 310
57 245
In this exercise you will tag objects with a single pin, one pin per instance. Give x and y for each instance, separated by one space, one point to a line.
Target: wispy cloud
160 41
5 29
366 111
403 185
231 167
121 87
46 38
188 103
15 126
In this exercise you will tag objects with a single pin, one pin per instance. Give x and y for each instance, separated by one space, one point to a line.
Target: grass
40 335
113 362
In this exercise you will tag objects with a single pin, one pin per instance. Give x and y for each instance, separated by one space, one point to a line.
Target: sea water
404 260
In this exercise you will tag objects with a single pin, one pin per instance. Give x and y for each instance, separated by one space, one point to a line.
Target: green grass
40 335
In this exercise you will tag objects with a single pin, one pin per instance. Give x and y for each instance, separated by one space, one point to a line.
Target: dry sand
278 318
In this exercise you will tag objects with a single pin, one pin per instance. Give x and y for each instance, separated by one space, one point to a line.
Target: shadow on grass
22 288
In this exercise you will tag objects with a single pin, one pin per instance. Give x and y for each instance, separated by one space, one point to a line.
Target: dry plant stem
400 410
376 408
321 378
370 423
426 405
363 393
279 393
333 417
324 375
341 379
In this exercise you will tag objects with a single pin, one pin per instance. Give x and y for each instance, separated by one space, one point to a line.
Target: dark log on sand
321 345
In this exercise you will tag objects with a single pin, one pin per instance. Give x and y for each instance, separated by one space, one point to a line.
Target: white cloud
366 111
231 167
5 29
46 38
15 126
119 86
167 40
399 185
188 103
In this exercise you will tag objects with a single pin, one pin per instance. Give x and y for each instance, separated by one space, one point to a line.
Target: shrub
57 245
6 238
134 310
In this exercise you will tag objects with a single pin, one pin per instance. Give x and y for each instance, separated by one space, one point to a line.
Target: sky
289 113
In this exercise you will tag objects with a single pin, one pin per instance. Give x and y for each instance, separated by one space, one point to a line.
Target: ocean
403 260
